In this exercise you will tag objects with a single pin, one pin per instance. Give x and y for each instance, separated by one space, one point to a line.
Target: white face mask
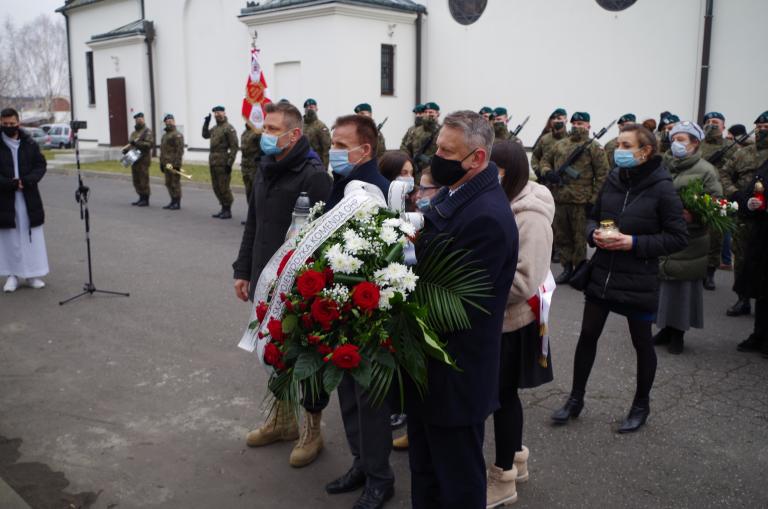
679 149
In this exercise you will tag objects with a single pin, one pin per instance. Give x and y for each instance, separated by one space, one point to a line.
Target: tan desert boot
501 487
521 463
280 426
310 442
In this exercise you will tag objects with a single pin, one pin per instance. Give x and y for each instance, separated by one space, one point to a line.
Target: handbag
581 275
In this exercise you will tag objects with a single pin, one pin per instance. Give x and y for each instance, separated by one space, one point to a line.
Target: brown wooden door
118 114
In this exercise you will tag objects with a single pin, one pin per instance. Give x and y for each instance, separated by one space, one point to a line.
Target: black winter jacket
643 203
753 278
276 187
31 169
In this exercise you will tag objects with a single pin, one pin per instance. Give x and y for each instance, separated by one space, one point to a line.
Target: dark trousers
761 319
447 465
368 433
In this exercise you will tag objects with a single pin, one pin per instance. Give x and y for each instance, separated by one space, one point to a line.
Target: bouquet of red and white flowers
716 213
354 307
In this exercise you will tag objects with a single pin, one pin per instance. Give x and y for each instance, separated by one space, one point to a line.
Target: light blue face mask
679 149
268 143
625 158
423 204
339 161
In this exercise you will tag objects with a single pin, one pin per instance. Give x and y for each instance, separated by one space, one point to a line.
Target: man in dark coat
446 428
353 157
288 168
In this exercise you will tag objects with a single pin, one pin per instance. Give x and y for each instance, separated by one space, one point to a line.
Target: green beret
497 112
714 114
139 114
580 116
627 117
167 116
419 108
431 106
762 119
284 101
673 119
310 102
668 118
363 107
485 109
218 108
558 113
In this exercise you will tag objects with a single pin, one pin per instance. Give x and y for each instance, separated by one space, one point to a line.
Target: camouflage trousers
220 182
715 249
248 175
173 184
569 229
140 173
740 240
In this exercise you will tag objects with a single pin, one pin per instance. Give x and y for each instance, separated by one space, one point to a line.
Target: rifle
419 158
520 127
378 127
715 158
565 168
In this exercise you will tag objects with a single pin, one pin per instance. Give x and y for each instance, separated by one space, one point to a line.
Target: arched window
467 12
616 5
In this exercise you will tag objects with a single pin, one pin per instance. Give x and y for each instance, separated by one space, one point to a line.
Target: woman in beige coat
521 365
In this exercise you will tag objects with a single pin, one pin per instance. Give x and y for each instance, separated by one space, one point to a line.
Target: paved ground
144 401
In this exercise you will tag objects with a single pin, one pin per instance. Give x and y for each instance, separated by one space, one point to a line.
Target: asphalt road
145 401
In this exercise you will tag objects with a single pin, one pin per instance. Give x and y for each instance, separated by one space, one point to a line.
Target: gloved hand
208 119
133 143
551 177
228 169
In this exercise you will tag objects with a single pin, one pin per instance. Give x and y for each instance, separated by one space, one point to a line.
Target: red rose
324 350
289 306
261 311
272 354
310 283
325 311
346 357
275 328
312 339
328 273
283 262
307 322
366 296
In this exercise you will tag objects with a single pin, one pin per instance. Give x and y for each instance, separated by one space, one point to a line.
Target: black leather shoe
169 206
751 344
218 214
742 307
565 275
225 214
134 203
571 409
709 281
374 498
662 337
353 480
635 420
397 421
143 202
176 205
676 342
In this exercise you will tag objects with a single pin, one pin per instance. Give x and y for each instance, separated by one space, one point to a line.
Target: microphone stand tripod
81 195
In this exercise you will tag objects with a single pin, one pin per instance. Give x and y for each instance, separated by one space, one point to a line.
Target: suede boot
310 442
279 426
521 464
501 489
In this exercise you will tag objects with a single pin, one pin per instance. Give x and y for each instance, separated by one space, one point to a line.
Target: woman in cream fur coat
521 365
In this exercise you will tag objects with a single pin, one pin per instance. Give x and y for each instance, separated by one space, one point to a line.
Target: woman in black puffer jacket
639 197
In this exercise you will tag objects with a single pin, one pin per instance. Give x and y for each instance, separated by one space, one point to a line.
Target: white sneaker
11 284
36 283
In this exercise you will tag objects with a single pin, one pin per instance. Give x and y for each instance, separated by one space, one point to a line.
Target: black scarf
293 160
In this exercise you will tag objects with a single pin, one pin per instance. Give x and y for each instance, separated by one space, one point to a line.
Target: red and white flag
256 93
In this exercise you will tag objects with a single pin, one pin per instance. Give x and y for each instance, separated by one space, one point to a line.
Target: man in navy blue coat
446 428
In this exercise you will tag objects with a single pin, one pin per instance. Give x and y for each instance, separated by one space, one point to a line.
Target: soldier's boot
280 426
226 213
521 464
565 275
170 205
742 307
143 201
218 214
137 201
709 281
175 204
502 488
310 442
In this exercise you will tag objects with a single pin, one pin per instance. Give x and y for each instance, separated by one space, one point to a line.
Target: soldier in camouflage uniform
736 176
486 112
610 147
171 152
250 146
558 119
418 112
221 158
574 196
143 140
316 131
365 110
666 122
423 143
499 120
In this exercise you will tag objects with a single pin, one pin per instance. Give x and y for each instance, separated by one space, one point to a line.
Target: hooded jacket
32 167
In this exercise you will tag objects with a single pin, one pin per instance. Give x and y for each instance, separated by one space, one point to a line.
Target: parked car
41 137
61 136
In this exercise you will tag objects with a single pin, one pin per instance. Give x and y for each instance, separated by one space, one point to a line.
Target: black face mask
446 172
11 131
419 121
558 126
138 127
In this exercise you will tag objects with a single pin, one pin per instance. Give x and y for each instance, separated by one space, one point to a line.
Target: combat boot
521 464
565 275
226 213
175 204
501 489
170 205
218 214
742 307
134 203
280 426
310 442
143 201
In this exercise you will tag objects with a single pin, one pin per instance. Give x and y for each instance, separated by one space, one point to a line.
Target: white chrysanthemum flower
384 297
367 210
354 243
407 228
398 276
342 262
316 211
389 235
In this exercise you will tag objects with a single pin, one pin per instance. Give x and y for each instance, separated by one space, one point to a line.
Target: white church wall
86 22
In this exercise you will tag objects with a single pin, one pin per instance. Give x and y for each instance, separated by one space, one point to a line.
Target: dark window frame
90 77
388 69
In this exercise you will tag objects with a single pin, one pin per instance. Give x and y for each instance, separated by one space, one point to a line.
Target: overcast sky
25 10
